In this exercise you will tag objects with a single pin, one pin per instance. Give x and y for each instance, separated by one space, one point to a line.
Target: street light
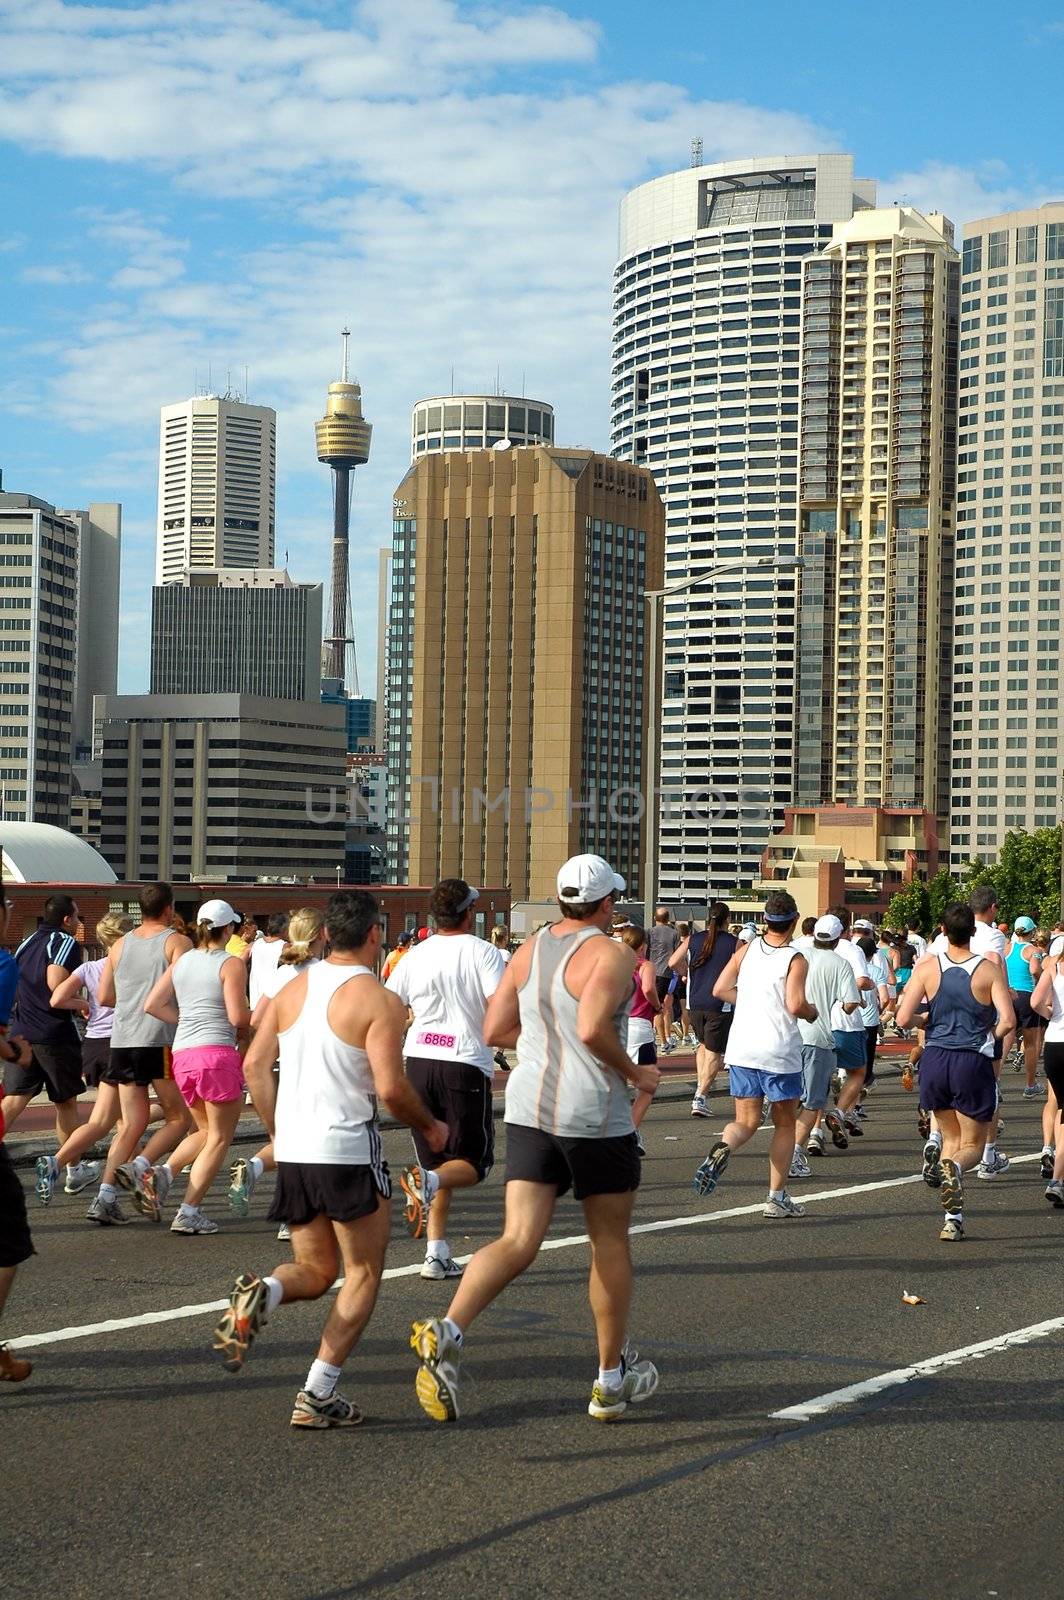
339 872
654 597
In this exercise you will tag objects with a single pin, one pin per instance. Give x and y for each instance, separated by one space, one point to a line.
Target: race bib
437 1041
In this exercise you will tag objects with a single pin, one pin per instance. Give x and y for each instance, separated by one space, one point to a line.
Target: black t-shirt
700 980
36 1021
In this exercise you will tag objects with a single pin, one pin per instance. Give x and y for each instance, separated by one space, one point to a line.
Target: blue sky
188 183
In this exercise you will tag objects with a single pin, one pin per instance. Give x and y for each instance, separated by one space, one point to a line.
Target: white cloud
964 193
59 276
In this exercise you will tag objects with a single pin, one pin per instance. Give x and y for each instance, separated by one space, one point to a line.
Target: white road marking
697 1219
889 1380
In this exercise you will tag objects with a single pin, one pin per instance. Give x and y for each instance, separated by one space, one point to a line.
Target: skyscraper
707 306
476 421
877 469
245 631
1008 727
516 664
217 477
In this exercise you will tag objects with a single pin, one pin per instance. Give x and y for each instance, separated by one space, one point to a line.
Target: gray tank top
956 1020
201 1001
557 1084
140 966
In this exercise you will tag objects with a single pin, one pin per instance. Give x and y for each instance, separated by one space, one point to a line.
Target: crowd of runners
320 1029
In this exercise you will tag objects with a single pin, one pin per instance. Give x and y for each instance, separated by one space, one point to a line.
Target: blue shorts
958 1080
851 1050
818 1069
747 1083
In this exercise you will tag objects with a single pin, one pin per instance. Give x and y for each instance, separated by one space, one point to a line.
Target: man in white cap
829 983
563 1001
445 984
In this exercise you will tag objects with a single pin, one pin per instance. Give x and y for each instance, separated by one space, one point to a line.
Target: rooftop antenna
452 377
345 334
245 383
696 152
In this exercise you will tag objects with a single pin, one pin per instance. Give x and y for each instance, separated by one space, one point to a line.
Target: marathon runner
564 1001
44 961
705 956
339 1034
1023 965
968 1005
765 982
1048 1001
832 988
445 984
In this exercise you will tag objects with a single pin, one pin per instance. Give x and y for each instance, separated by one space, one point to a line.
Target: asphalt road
131 1462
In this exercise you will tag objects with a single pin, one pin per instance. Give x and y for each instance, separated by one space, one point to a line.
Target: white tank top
326 1108
1055 1030
764 1036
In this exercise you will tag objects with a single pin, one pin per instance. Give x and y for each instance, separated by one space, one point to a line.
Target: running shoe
335 1412
700 1106
162 1181
242 1321
800 1167
108 1213
284 1232
198 1222
815 1147
437 1268
853 1126
1046 1162
952 1189
140 1183
81 1175
639 1379
13 1369
932 1170
47 1168
710 1172
994 1167
501 1062
923 1123
836 1126
436 1384
419 1185
242 1181
778 1209
1033 1091
907 1078
952 1230
1055 1192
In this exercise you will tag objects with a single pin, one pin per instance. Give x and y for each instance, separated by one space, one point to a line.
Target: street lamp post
339 872
654 598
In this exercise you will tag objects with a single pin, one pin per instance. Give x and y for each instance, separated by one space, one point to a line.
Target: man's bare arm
502 1020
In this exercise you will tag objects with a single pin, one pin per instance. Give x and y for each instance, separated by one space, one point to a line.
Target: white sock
185 1210
141 1164
108 1192
164 1166
934 1137
275 1290
321 1380
610 1377
432 1184
436 1250
256 1168
453 1329
776 1194
988 1151
71 1166
1047 1149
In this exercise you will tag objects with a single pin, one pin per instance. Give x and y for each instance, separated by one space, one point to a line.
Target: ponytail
718 916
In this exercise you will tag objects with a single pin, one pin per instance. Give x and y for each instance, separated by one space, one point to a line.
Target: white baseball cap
747 932
587 878
828 929
219 913
863 922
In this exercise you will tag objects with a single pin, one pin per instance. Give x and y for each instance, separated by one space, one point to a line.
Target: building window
972 256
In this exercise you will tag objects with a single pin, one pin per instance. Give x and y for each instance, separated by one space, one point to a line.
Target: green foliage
942 891
911 906
1026 877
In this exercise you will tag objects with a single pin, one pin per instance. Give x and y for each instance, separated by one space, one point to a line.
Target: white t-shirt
280 977
447 982
841 1021
804 942
919 944
879 971
985 941
265 954
1056 945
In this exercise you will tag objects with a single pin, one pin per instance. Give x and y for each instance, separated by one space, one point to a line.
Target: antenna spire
345 334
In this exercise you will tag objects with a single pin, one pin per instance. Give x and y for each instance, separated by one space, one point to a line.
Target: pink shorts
211 1072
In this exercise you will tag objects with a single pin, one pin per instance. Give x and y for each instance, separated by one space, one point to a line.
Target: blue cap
1024 925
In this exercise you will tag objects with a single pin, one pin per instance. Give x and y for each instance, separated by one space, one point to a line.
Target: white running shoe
198 1222
800 1167
778 1209
700 1106
80 1176
437 1268
47 1169
638 1382
284 1232
994 1167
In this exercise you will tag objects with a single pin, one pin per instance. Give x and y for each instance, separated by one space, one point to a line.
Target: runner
44 961
682 1030
877 1002
500 938
95 1056
133 966
264 955
806 940
564 1001
304 947
963 992
1048 1000
765 982
393 958
662 940
851 1045
705 956
644 1008
16 1242
1023 964
830 986
446 984
339 1036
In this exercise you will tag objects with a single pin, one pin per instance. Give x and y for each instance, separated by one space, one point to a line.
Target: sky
194 186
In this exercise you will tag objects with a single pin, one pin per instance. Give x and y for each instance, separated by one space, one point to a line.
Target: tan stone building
876 504
517 685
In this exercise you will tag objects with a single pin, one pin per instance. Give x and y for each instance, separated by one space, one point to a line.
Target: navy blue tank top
956 1020
700 980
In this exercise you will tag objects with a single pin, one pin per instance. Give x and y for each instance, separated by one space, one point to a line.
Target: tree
1026 876
911 907
942 891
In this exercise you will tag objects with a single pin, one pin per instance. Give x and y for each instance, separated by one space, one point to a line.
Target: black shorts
587 1166
711 1028
646 1055
1026 1017
663 984
1053 1062
459 1095
16 1245
139 1064
306 1190
95 1055
56 1067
